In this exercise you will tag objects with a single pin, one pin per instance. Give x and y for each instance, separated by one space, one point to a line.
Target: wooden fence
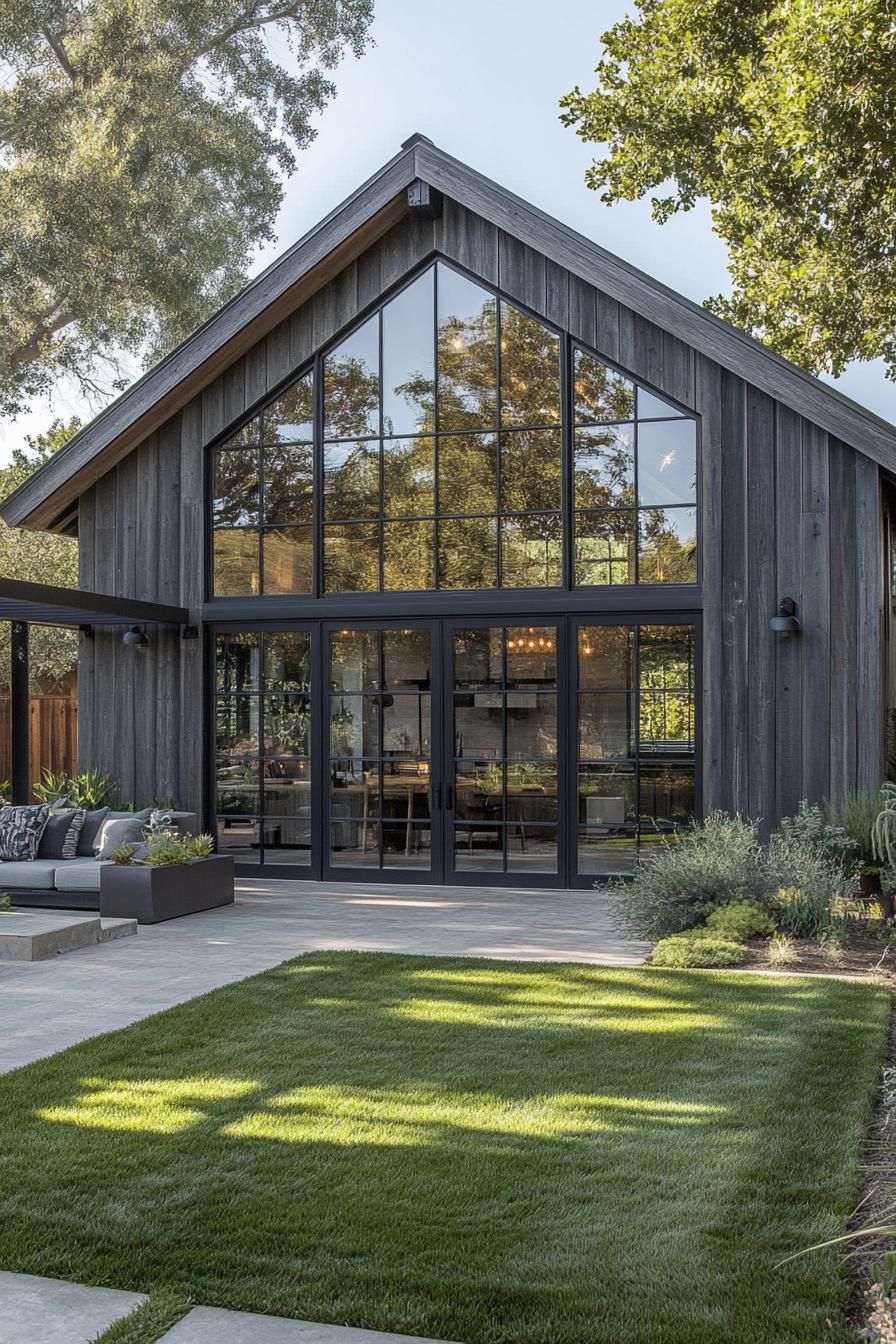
52 733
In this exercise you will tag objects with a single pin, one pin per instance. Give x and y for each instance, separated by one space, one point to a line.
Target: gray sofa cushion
60 837
117 831
89 832
36 874
78 875
20 830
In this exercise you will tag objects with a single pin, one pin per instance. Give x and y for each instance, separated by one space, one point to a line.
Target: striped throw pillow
72 835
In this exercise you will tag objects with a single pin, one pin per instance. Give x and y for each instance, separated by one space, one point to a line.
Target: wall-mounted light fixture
134 638
785 623
189 632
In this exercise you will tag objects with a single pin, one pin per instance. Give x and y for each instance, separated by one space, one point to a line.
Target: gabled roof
50 496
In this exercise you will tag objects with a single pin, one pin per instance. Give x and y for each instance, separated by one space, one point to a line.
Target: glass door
504 724
379 724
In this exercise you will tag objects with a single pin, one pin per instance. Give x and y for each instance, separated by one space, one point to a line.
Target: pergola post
18 712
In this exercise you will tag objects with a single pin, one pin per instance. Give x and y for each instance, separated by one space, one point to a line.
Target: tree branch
58 48
244 25
29 349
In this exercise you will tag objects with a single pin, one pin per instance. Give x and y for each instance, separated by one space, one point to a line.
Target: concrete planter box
150 894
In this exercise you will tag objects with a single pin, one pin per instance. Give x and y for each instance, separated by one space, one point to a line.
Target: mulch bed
864 958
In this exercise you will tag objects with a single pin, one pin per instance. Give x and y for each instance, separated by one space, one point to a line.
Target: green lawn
478 1151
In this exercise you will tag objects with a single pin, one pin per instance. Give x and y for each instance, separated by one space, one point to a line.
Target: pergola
27 604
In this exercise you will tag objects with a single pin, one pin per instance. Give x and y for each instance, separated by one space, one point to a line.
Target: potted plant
170 875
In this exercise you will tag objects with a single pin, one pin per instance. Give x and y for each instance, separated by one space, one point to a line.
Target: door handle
449 797
437 798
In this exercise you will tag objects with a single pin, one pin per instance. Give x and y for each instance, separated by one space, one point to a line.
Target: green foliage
803 912
5 790
149 1322
797 859
854 816
740 920
142 151
91 789
781 951
883 835
38 557
124 855
5 901
717 862
781 116
167 849
697 948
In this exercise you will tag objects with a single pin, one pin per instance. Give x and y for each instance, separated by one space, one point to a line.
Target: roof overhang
48 499
43 604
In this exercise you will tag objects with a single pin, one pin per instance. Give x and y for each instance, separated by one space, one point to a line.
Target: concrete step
116 928
34 935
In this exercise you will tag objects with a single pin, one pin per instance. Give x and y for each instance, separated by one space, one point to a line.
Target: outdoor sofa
50 880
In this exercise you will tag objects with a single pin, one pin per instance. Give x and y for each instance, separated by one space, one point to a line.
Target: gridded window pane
290 419
607 801
667 546
479 790
467 353
288 484
531 791
248 434
607 729
352 385
352 480
352 558
287 722
532 551
355 660
409 555
667 462
530 470
666 798
354 726
531 849
605 547
237 725
468 553
406 725
287 660
606 656
478 657
600 394
530 370
666 721
650 406
408 477
288 560
235 501
531 725
531 654
407 659
286 788
235 562
666 656
237 663
604 467
478 725
479 848
409 360
237 787
468 473
240 837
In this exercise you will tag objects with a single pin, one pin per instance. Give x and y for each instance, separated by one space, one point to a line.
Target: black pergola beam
41 603
18 713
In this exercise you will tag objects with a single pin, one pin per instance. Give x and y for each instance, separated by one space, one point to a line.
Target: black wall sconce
785 623
134 638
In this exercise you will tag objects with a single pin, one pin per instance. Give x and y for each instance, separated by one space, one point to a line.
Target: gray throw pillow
117 831
60 837
89 832
20 831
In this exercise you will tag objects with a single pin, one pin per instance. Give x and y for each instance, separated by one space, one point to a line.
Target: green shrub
853 817
717 862
802 912
781 951
740 920
168 848
796 860
5 902
91 789
698 948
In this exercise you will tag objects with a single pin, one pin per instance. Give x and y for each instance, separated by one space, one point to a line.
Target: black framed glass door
382 753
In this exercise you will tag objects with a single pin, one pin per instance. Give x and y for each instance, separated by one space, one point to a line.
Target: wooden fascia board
712 336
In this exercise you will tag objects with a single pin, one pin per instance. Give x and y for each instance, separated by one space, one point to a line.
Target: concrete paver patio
48 1005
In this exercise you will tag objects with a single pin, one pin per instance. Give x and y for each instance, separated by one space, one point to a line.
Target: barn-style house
455 549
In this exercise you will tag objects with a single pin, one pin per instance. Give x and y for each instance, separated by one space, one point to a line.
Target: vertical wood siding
785 510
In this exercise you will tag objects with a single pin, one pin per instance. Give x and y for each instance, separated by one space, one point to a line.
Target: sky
483 79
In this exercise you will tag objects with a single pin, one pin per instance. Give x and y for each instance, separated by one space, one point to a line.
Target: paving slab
213 1325
36 935
47 1311
48 1005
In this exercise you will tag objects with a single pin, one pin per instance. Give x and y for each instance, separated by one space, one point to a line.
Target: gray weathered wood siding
785 510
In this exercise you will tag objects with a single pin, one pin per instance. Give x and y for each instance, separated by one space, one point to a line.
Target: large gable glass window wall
453 443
